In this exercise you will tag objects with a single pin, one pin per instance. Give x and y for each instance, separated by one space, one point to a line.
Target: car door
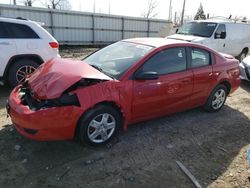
201 65
219 43
7 48
170 92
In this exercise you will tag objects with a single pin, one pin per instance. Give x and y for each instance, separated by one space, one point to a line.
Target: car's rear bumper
56 123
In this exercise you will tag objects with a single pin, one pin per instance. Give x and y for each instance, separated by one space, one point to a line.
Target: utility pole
80 5
183 11
175 18
170 10
94 7
109 7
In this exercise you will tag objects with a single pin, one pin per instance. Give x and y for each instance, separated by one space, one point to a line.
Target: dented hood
52 78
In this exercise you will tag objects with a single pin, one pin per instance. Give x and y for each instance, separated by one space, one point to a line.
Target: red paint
52 123
55 76
138 100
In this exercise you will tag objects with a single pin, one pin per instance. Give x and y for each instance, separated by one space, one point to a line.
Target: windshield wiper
101 70
96 67
110 75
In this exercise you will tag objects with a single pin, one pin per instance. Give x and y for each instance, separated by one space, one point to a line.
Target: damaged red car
127 82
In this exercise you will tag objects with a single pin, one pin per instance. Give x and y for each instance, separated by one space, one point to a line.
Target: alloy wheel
23 72
218 99
101 128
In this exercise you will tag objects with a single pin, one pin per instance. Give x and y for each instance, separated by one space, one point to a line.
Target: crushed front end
51 119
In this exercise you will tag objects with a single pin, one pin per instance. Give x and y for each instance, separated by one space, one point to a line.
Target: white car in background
223 35
24 45
245 69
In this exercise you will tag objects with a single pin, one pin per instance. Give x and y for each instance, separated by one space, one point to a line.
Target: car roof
155 42
7 19
18 20
220 21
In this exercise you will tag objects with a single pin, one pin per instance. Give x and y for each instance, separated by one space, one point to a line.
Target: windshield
202 29
115 59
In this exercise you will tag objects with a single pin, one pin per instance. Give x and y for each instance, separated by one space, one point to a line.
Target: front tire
99 125
216 99
20 69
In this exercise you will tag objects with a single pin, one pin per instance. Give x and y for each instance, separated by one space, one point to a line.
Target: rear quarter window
20 31
200 58
3 31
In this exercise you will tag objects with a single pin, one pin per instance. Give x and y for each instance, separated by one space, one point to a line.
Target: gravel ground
213 146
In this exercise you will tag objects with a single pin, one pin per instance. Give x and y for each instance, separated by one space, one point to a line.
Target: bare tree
59 4
27 3
150 13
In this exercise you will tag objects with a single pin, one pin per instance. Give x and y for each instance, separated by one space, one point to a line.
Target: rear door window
20 31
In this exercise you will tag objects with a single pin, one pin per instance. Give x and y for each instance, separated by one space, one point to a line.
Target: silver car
245 69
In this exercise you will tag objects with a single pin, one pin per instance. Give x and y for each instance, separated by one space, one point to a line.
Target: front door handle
4 43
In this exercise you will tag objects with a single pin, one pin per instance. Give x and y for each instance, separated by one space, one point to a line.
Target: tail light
54 45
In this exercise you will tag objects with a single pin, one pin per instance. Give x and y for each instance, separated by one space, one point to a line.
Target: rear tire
216 99
20 69
99 125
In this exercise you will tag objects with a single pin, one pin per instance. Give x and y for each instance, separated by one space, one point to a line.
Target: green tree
200 15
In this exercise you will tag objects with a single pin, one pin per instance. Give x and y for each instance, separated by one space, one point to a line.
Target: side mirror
223 35
146 76
176 31
217 35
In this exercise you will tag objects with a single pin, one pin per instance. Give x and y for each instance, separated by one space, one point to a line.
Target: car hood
52 78
189 38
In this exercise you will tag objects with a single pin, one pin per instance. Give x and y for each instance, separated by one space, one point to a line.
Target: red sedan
129 81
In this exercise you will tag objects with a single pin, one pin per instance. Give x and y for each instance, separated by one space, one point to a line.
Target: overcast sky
136 7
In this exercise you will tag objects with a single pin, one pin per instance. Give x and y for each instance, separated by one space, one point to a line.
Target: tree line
53 4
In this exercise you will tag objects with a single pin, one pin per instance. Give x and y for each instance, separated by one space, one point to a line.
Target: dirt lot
213 146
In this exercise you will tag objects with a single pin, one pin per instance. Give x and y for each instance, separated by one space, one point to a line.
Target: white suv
24 45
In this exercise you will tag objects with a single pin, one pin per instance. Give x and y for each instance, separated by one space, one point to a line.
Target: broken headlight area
28 99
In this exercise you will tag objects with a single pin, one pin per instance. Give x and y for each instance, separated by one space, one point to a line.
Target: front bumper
244 72
56 123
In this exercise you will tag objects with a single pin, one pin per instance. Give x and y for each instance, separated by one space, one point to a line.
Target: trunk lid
227 56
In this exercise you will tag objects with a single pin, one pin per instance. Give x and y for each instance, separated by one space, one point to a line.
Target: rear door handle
4 43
